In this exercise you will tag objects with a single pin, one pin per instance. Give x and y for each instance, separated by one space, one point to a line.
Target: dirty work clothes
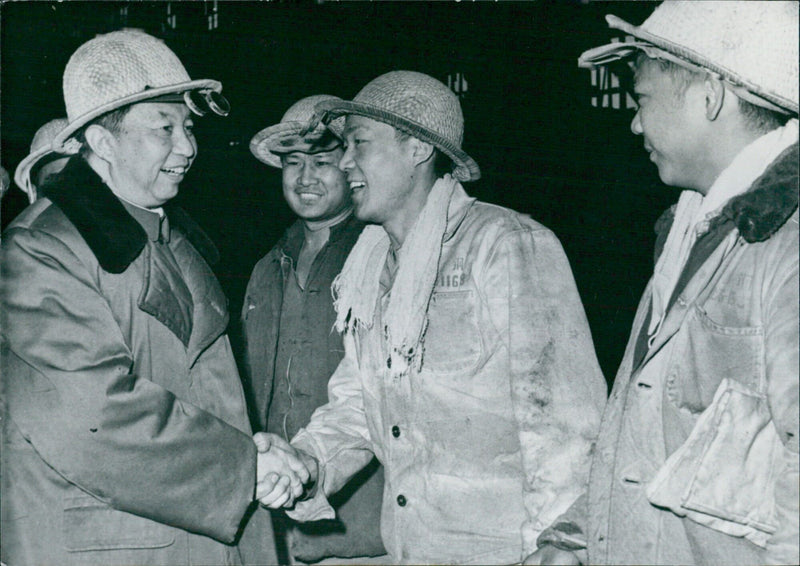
704 422
489 440
277 336
292 351
125 435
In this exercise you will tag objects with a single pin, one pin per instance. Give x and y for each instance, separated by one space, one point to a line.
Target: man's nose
346 162
184 143
636 124
307 176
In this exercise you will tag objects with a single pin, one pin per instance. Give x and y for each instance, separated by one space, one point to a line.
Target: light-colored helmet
752 45
416 104
127 66
41 147
4 182
290 135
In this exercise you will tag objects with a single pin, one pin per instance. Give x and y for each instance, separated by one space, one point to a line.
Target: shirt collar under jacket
154 222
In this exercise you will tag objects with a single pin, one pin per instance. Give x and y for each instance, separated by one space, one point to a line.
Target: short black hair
758 118
681 76
111 121
442 164
761 119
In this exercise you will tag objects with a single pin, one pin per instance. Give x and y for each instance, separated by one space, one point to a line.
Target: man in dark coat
288 319
125 437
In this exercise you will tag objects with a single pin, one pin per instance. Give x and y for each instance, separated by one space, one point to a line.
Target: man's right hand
280 471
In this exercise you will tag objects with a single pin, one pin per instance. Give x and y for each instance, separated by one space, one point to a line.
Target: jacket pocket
90 524
452 340
705 354
724 475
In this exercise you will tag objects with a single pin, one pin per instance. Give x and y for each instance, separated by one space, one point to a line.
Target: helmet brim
143 96
466 168
617 50
263 144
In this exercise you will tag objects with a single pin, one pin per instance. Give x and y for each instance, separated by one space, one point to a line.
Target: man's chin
360 214
162 198
308 214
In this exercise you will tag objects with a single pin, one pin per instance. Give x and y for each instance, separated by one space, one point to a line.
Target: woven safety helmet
418 105
4 181
117 69
290 134
752 45
41 147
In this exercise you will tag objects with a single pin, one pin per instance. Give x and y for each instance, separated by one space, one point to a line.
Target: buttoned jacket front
489 440
697 458
289 369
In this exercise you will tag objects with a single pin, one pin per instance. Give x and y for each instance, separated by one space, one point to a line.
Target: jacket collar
155 225
757 215
114 236
460 203
760 212
763 209
292 240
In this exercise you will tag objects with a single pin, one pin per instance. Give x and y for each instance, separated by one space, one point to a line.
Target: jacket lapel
705 265
165 296
193 307
757 214
114 237
209 304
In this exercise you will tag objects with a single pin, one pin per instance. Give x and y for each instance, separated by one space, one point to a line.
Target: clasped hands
282 471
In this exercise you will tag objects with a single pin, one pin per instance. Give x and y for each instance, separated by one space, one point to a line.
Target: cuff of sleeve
311 492
314 506
564 536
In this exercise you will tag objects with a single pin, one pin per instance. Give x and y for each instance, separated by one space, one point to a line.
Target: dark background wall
543 148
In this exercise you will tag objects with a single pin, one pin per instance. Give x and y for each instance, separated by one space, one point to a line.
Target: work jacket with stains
488 441
125 436
292 351
697 458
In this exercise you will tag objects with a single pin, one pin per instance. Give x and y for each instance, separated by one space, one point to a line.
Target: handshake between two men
282 471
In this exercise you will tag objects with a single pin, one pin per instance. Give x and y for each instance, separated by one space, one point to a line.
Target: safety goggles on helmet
200 102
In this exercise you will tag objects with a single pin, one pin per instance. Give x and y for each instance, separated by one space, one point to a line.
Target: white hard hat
120 68
290 135
4 182
41 146
753 45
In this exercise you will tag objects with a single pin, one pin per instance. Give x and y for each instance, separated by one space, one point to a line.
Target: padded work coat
125 435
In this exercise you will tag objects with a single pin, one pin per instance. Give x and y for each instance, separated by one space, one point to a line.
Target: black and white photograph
381 282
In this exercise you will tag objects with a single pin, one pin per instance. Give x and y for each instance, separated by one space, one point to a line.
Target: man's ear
420 151
101 141
714 90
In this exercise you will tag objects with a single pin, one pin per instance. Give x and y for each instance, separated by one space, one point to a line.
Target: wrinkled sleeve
781 338
557 388
337 436
70 389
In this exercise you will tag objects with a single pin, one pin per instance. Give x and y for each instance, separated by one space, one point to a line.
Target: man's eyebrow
169 116
351 129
